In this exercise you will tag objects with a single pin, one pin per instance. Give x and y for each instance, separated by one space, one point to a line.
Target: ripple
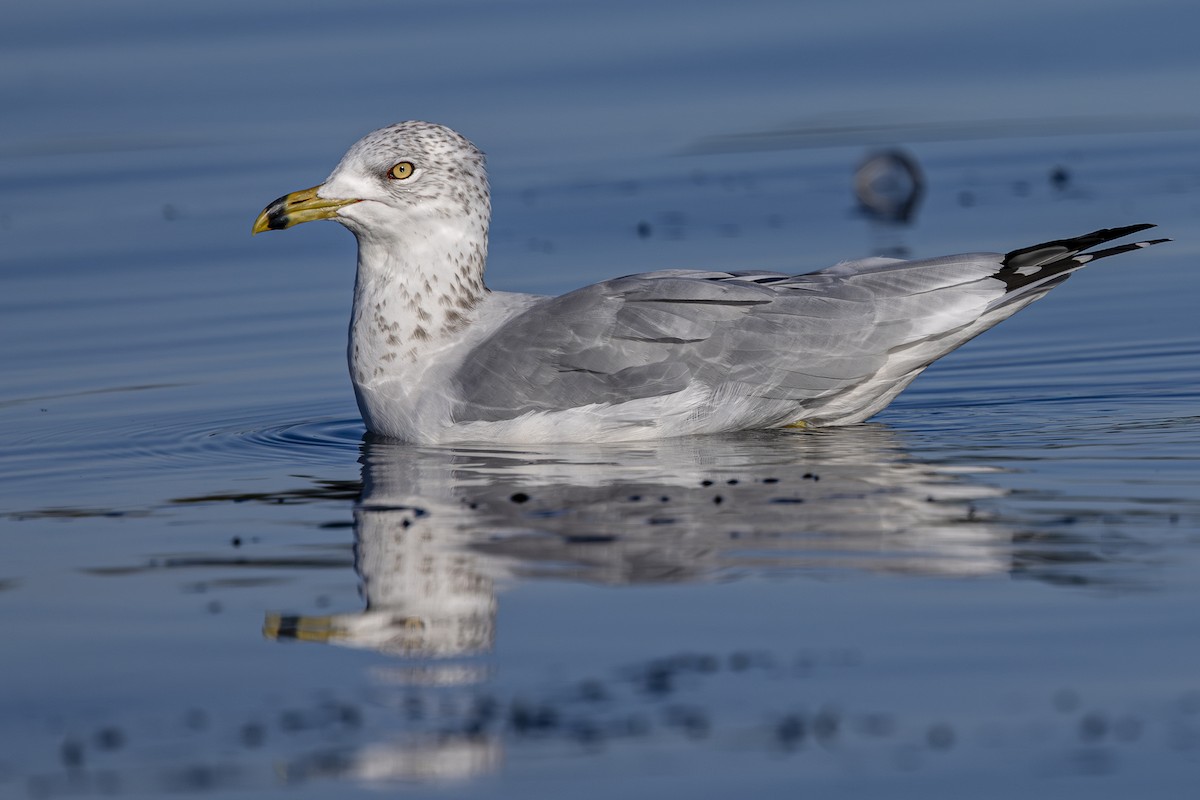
132 446
318 439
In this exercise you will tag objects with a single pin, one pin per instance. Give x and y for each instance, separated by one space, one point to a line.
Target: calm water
211 581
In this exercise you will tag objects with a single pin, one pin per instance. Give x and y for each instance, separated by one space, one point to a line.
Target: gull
436 357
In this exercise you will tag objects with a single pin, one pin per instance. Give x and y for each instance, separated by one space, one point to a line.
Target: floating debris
889 186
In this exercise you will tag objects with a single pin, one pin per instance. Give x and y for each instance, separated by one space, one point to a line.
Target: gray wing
767 335
853 334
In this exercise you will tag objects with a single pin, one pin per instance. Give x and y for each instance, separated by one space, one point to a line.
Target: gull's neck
413 296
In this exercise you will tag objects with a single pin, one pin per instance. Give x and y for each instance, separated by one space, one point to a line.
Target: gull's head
397 179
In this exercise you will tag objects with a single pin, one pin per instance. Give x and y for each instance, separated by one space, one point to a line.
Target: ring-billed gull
436 357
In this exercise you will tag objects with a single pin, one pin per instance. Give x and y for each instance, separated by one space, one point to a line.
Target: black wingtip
1045 252
1117 233
1041 262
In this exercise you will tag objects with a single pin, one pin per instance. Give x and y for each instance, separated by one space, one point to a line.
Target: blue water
211 581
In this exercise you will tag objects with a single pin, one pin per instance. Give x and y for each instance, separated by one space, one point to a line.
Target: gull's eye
402 170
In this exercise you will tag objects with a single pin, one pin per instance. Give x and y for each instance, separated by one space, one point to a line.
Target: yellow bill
295 208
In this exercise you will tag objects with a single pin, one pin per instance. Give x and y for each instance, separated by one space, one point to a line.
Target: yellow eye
402 170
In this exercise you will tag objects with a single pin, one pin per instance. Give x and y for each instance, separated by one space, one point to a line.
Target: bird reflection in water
438 529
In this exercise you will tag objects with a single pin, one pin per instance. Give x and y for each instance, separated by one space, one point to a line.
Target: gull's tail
1042 266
